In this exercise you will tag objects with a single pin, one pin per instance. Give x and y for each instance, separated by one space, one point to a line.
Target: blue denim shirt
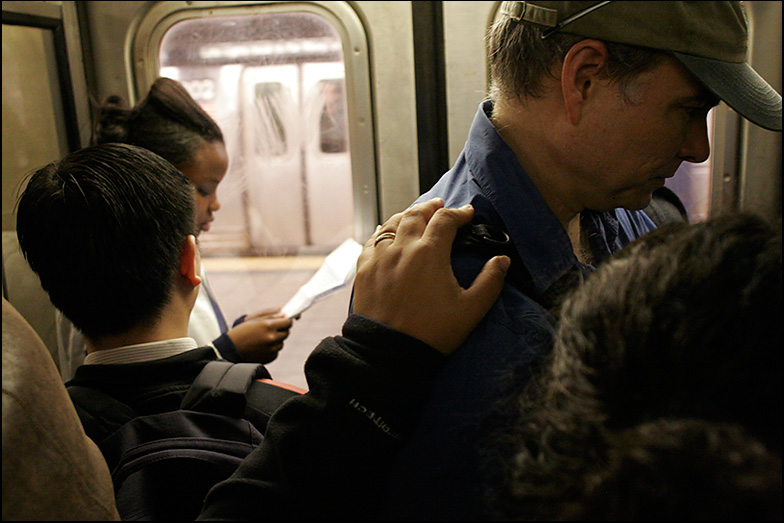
435 476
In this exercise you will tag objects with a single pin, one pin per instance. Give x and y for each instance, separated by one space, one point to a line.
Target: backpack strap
240 390
221 386
265 397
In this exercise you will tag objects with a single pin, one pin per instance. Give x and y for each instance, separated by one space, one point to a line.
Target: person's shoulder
515 324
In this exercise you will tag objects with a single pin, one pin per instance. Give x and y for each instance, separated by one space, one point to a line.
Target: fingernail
504 262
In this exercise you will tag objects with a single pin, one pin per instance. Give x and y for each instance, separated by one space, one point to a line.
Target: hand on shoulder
405 280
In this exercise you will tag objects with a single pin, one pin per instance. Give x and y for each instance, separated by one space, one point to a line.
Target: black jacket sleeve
227 349
326 454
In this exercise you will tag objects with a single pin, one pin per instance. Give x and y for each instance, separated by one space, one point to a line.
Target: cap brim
740 87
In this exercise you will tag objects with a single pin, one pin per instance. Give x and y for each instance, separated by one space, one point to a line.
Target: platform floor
244 285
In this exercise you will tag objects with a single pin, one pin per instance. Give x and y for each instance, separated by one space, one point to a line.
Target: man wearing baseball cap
593 105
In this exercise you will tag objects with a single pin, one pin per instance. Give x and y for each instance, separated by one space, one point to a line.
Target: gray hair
520 60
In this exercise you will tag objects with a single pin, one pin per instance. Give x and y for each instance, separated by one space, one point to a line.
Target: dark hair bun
112 124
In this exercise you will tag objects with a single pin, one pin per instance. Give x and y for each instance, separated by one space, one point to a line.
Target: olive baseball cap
709 38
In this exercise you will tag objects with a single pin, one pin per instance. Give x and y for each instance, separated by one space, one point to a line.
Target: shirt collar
141 352
539 237
602 229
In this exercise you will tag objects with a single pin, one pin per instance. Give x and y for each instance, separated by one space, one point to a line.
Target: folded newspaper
337 272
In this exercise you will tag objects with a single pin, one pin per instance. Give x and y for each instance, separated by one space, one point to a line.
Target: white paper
337 271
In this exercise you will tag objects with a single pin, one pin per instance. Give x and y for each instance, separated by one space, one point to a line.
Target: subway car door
326 153
271 147
45 116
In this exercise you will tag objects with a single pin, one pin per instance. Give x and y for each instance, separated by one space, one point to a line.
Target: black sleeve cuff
227 349
380 344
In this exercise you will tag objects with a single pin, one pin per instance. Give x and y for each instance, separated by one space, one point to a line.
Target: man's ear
190 261
582 67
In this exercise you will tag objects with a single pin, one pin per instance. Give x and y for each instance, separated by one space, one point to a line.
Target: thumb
488 284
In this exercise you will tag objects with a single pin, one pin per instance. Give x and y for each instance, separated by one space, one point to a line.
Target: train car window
274 83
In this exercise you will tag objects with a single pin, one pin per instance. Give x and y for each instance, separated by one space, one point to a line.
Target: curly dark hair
662 396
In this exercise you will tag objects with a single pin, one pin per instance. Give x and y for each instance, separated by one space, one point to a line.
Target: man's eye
697 110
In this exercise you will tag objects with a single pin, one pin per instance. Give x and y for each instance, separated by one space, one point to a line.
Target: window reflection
334 133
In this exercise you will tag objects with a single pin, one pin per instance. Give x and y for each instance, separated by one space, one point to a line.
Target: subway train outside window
274 82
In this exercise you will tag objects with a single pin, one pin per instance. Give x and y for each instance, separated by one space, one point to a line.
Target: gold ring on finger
384 236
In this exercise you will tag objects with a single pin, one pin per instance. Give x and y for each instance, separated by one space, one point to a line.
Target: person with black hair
171 124
96 225
110 230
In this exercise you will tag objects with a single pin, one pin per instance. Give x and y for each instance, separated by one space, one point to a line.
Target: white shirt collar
141 352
